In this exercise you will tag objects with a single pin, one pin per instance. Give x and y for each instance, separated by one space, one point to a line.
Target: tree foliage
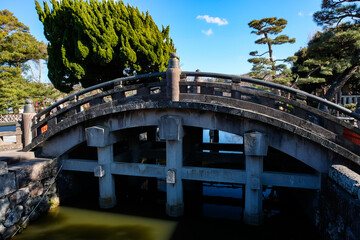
334 12
97 41
331 59
17 47
267 67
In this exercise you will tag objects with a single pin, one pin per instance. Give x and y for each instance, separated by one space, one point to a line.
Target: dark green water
142 218
73 223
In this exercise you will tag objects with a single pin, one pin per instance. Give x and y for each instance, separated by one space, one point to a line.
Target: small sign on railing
44 128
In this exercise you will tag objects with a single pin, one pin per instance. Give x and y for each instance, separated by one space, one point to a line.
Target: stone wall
27 190
339 208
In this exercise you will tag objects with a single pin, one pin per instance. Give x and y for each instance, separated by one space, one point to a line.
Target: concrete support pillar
173 78
256 145
99 136
171 130
29 113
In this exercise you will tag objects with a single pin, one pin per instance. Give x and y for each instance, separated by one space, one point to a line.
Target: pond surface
73 223
214 217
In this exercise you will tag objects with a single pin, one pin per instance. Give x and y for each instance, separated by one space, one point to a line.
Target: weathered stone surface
14 216
2 229
339 213
170 128
8 184
4 206
3 168
33 170
43 206
36 189
24 221
9 232
19 196
50 187
97 136
255 144
346 178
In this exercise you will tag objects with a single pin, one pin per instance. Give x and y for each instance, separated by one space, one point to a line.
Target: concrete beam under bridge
277 179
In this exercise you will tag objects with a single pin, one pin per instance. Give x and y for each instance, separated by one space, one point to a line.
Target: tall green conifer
97 41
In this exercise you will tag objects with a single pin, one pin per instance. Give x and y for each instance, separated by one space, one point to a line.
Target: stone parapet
346 178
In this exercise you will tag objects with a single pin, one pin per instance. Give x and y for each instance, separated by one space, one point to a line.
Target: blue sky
210 35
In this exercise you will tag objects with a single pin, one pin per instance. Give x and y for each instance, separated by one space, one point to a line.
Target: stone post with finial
197 89
173 78
28 114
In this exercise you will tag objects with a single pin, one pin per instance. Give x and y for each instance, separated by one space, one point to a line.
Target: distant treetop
334 12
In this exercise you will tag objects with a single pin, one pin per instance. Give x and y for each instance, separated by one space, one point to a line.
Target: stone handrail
173 85
235 81
300 94
77 95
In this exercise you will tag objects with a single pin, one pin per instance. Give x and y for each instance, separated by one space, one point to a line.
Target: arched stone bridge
134 122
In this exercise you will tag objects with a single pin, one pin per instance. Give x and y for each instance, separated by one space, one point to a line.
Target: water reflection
72 223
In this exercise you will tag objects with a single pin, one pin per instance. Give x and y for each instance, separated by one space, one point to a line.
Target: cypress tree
97 41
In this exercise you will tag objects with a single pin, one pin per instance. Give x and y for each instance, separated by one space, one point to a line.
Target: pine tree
334 12
330 61
97 41
332 58
266 67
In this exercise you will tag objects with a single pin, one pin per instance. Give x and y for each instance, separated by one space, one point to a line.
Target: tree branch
341 81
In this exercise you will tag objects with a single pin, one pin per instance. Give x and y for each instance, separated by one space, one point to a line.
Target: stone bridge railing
175 85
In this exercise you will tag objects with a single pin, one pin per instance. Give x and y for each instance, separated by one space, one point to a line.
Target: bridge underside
167 143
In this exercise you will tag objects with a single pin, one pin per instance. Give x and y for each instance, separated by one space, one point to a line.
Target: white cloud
216 20
208 32
300 14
